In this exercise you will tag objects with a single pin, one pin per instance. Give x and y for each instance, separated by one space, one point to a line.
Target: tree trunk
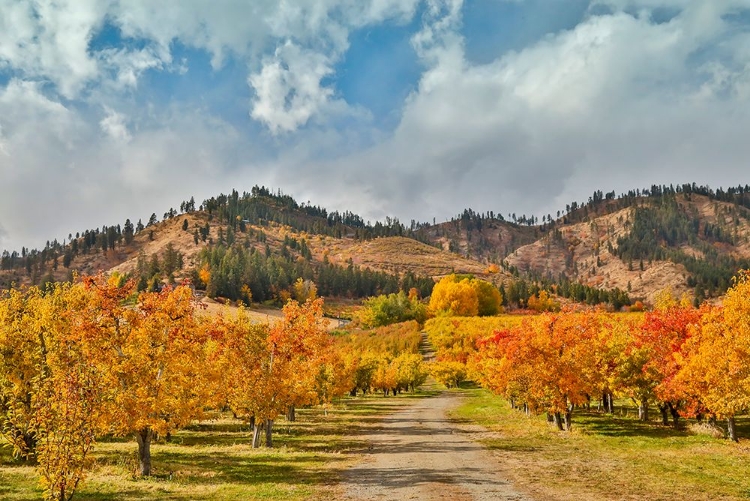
28 454
143 437
569 418
611 400
256 433
550 418
664 416
558 421
269 429
732 429
291 416
675 415
643 410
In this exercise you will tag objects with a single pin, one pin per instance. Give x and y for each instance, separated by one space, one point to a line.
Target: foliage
690 361
542 301
385 359
457 295
248 275
49 391
390 309
449 373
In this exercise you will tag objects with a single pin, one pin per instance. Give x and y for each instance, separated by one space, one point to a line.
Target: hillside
691 239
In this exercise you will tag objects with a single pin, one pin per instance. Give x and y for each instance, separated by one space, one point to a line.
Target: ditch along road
420 453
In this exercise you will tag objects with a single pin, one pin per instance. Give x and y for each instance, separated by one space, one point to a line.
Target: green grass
609 457
213 459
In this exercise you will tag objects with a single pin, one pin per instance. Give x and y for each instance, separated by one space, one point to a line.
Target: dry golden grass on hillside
398 255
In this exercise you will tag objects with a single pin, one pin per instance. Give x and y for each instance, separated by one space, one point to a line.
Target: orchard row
686 361
95 358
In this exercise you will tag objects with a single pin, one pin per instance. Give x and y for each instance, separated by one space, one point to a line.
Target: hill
689 238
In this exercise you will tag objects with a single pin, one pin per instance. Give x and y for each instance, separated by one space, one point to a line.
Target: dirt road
417 453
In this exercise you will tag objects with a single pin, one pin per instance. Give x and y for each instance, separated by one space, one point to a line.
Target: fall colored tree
549 363
716 370
662 337
270 371
22 367
152 359
454 296
49 392
449 373
68 401
458 295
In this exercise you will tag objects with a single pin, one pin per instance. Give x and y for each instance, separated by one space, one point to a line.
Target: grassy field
213 460
609 457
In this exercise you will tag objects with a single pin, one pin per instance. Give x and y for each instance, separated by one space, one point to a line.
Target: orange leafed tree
21 363
267 372
152 360
68 403
49 392
662 339
549 363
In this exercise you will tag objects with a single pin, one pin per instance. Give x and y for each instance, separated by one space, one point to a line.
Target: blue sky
113 109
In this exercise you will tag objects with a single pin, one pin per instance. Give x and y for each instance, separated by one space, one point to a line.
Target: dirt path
417 453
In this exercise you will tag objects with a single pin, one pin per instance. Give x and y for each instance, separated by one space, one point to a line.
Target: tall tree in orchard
662 336
68 401
243 364
152 358
49 392
22 367
717 367
299 347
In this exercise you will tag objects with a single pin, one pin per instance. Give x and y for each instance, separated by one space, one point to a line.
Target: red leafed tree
663 336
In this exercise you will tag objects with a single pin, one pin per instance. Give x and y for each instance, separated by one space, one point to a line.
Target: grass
609 457
213 459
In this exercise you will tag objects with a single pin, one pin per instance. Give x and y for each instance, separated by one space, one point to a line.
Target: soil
419 453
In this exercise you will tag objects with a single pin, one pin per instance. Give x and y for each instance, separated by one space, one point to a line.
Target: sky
416 109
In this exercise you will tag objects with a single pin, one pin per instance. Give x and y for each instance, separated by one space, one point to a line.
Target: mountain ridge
699 236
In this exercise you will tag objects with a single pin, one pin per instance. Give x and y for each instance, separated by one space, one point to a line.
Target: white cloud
288 88
115 126
48 40
3 148
618 101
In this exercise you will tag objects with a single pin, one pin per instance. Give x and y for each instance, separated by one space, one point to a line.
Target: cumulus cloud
61 177
115 126
619 101
638 92
288 88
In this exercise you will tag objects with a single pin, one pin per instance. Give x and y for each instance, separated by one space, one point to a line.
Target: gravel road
418 453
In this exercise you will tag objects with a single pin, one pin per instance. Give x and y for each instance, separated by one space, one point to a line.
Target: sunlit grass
213 459
609 457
